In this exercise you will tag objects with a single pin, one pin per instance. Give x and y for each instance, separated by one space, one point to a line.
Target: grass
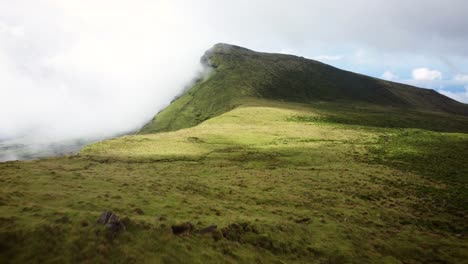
285 182
240 76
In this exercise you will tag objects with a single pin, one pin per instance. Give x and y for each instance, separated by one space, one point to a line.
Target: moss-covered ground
287 183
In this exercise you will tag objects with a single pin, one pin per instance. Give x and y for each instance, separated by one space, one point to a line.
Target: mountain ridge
240 74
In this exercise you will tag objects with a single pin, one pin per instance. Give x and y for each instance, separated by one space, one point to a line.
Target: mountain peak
227 48
241 75
221 49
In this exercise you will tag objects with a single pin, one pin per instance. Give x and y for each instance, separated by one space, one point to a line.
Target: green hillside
249 173
240 75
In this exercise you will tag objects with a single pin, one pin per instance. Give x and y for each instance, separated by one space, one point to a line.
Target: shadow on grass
435 156
384 117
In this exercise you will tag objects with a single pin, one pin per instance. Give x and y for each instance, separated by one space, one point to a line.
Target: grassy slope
240 76
315 183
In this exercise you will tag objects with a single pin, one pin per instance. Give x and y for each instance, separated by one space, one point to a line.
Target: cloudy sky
93 68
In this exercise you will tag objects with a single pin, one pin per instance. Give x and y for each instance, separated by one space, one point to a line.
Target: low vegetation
268 182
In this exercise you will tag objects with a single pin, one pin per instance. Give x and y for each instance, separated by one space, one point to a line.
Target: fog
72 72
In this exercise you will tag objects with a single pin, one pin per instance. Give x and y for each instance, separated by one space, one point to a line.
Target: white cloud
11 30
461 78
388 75
459 96
88 77
327 57
432 79
425 74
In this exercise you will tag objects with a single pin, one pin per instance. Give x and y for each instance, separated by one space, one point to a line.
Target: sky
91 69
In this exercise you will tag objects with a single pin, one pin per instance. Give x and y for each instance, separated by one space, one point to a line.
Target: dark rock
182 228
104 217
208 230
114 224
212 231
111 221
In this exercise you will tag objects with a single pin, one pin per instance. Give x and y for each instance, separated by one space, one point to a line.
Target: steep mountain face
241 75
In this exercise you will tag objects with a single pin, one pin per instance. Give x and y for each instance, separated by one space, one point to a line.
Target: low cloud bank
73 77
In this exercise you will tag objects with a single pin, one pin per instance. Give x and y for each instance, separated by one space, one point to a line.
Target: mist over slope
241 74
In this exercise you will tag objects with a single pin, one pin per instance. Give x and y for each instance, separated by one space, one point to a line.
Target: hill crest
242 75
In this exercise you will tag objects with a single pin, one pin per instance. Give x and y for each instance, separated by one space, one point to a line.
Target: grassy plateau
284 180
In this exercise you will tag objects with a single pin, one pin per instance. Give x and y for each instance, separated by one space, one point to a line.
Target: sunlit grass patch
278 190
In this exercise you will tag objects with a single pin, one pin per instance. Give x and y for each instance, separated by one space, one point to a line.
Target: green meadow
283 182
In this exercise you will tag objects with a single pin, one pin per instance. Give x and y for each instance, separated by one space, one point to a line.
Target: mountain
267 159
241 76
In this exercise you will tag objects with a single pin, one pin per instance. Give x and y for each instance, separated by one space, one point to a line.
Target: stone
179 229
208 230
111 221
104 217
212 231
